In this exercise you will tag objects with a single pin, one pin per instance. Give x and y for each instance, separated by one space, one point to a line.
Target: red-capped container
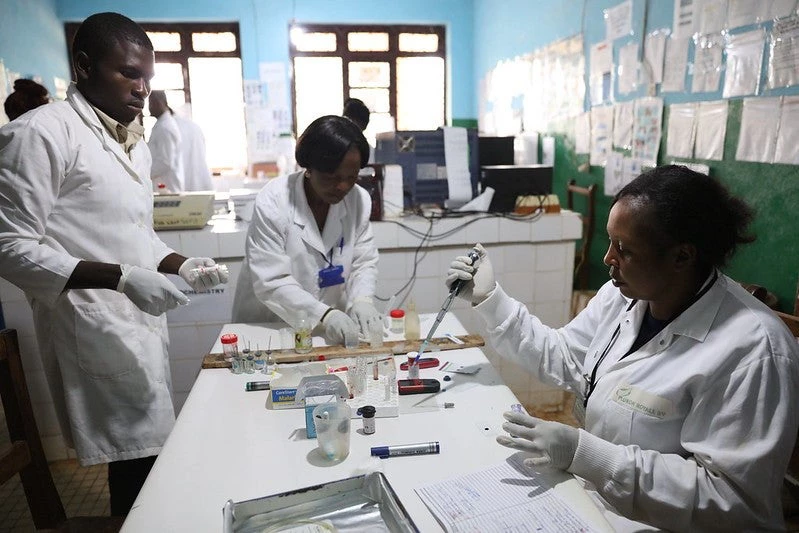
397 321
230 345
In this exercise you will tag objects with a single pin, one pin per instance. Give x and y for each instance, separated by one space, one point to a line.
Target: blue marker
422 448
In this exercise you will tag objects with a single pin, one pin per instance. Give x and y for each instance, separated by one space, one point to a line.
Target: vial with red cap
397 321
230 346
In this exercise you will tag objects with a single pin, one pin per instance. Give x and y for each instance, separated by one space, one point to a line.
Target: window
200 64
398 71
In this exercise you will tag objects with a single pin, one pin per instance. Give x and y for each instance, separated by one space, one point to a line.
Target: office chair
581 268
25 454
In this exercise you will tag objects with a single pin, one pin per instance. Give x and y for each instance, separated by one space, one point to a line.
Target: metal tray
356 504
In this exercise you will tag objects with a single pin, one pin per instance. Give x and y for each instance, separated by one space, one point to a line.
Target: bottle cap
229 338
367 411
397 313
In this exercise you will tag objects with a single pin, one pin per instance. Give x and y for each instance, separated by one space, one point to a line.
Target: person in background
27 95
310 247
165 145
76 235
196 174
356 111
689 384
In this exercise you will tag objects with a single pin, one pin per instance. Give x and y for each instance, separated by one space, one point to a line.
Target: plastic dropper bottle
412 329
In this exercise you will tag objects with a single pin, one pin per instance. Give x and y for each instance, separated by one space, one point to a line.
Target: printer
187 210
512 181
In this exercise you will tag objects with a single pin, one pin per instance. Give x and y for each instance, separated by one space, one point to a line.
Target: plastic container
412 328
302 334
230 345
332 421
397 321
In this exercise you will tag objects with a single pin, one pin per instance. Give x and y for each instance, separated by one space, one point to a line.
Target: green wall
772 190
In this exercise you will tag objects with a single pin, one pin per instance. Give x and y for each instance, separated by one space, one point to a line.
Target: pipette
454 290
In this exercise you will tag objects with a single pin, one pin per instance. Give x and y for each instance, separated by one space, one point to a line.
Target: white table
226 444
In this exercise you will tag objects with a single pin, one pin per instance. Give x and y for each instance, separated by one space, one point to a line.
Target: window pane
213 42
375 99
174 99
313 41
418 42
318 88
369 74
420 93
167 76
378 123
164 41
217 105
367 42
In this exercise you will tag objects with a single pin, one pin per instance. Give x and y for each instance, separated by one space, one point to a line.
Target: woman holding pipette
309 247
688 385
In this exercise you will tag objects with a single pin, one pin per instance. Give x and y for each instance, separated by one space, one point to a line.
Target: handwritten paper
505 497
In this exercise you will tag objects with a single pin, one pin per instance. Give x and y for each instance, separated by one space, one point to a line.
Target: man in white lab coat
165 146
196 174
76 234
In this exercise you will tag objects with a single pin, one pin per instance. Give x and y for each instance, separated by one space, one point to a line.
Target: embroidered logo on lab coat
642 401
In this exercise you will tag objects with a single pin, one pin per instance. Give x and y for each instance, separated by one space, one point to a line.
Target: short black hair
690 207
102 31
356 111
325 142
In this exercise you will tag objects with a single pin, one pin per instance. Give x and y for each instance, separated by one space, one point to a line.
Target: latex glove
207 277
339 327
364 314
480 282
151 291
552 442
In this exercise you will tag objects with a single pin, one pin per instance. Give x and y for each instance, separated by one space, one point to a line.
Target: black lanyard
591 382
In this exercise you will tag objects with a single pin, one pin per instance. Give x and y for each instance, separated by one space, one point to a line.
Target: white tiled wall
532 260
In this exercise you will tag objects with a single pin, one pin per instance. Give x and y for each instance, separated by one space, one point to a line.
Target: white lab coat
693 431
284 253
196 174
68 192
165 145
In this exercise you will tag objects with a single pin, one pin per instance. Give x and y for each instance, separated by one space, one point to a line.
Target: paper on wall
654 52
601 134
686 19
779 8
707 64
647 129
548 151
680 135
614 173
787 148
675 64
759 125
744 58
744 12
712 15
623 124
456 157
601 71
393 202
783 64
582 133
618 20
627 77
711 129
631 169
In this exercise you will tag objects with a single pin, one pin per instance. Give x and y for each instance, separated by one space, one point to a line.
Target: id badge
331 276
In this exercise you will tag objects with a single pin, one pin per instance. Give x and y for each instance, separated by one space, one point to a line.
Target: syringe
454 290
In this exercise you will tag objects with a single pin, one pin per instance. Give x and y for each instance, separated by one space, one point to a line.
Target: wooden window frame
347 56
185 30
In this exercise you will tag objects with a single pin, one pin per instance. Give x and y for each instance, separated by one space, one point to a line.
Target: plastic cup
332 422
351 341
376 334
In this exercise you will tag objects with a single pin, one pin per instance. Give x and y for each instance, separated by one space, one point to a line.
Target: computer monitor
495 150
510 182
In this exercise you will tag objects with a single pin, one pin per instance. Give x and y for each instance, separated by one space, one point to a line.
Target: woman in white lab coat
309 247
689 384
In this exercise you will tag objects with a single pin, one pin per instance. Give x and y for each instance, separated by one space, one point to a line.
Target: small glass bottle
302 334
397 321
237 364
412 327
260 362
249 364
